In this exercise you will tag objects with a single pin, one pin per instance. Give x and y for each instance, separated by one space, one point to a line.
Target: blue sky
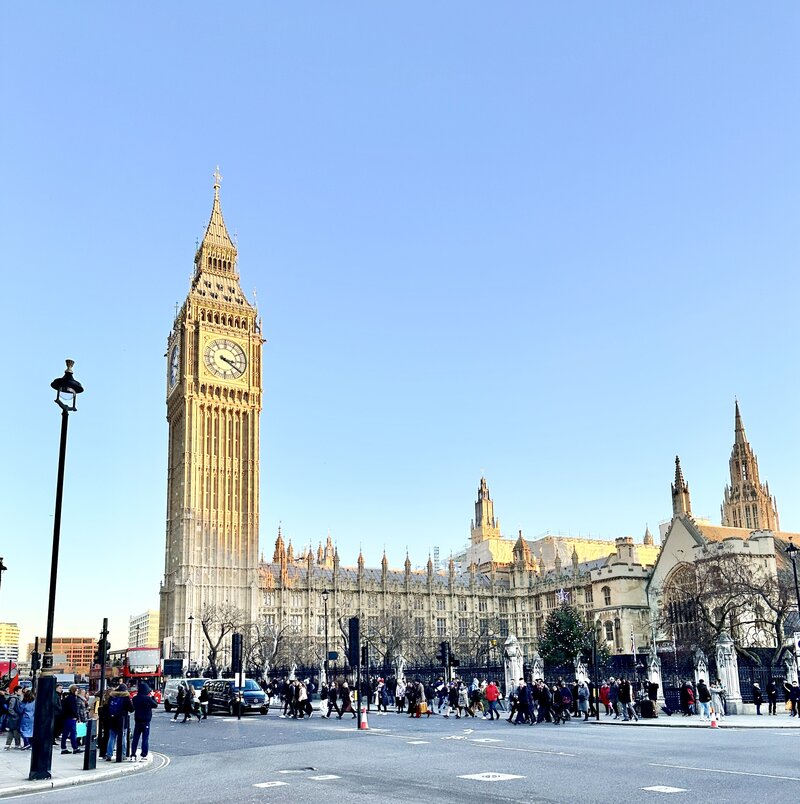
545 243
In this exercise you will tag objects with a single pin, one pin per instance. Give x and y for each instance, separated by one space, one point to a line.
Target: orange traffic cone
713 719
362 722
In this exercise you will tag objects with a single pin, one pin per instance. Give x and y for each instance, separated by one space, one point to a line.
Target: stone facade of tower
747 502
213 410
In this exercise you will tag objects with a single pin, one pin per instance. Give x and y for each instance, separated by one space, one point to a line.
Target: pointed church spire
747 502
280 549
407 564
681 501
217 252
738 428
648 537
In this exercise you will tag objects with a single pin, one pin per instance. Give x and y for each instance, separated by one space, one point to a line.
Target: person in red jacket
492 694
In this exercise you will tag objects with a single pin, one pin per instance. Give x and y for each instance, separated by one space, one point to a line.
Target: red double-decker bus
141 664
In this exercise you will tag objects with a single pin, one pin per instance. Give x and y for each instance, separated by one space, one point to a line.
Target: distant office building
76 653
9 642
143 630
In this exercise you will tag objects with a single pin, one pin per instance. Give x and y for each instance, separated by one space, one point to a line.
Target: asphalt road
266 759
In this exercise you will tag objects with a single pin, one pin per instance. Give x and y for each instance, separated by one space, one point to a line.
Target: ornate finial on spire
217 179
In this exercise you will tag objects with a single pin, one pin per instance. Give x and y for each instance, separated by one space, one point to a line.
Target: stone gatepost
512 661
728 671
654 675
580 671
700 666
537 666
790 662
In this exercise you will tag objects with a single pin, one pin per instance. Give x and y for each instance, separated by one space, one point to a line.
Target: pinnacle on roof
648 537
360 559
739 433
216 236
384 560
407 563
483 490
680 483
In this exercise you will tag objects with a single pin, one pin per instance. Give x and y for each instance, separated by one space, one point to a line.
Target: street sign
333 655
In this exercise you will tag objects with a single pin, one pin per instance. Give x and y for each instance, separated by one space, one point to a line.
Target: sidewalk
677 720
67 771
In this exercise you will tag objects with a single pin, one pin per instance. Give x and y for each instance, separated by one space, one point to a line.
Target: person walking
180 699
203 701
626 700
793 696
13 720
704 700
613 696
189 704
143 705
69 724
119 709
492 694
27 709
583 700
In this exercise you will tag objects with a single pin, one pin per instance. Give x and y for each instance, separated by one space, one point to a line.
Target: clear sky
545 242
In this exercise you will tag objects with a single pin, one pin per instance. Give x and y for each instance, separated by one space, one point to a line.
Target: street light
325 603
67 388
792 551
3 568
191 620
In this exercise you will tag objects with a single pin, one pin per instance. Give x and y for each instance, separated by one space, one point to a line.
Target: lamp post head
67 389
325 595
191 618
792 550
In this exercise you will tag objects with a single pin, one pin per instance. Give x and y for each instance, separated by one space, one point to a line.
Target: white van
170 694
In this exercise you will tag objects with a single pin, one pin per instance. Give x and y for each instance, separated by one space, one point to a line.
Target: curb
651 725
28 787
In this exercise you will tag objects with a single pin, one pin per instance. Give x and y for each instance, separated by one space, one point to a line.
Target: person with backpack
143 705
13 721
119 709
70 710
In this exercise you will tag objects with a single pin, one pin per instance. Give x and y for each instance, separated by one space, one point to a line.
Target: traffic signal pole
103 657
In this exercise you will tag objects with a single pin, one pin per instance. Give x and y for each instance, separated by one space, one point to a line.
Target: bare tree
217 623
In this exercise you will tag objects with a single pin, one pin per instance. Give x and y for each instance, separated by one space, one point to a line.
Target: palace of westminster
497 586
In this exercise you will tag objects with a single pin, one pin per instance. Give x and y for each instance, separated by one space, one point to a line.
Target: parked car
170 695
225 696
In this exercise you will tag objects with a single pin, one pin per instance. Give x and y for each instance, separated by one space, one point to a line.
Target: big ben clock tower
213 408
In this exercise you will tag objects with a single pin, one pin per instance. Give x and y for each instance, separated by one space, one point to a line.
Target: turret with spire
484 526
648 537
280 549
681 501
747 502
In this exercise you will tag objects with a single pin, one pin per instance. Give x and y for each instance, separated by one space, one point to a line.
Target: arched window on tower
606 595
609 631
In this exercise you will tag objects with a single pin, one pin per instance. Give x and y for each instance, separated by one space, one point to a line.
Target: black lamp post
3 568
792 550
189 663
67 388
325 604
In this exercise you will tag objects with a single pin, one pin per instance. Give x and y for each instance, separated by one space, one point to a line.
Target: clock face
225 358
174 360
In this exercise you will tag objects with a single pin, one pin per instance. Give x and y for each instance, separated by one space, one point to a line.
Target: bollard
90 747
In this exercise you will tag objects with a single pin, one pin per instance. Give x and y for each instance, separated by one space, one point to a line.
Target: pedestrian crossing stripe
660 788
271 784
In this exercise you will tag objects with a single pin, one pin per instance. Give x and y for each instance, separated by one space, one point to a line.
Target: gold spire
217 251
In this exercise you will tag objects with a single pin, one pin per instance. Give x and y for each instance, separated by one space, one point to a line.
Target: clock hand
229 362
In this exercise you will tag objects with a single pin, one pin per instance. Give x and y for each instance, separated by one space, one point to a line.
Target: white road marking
490 777
468 731
417 742
660 788
292 771
271 784
485 740
730 772
325 777
455 737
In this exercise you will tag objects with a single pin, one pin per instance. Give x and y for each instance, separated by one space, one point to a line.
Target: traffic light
353 641
444 654
101 654
36 661
365 655
236 653
453 661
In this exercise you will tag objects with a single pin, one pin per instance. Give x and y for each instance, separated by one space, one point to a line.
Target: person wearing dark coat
758 697
545 702
772 697
69 711
119 709
143 705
